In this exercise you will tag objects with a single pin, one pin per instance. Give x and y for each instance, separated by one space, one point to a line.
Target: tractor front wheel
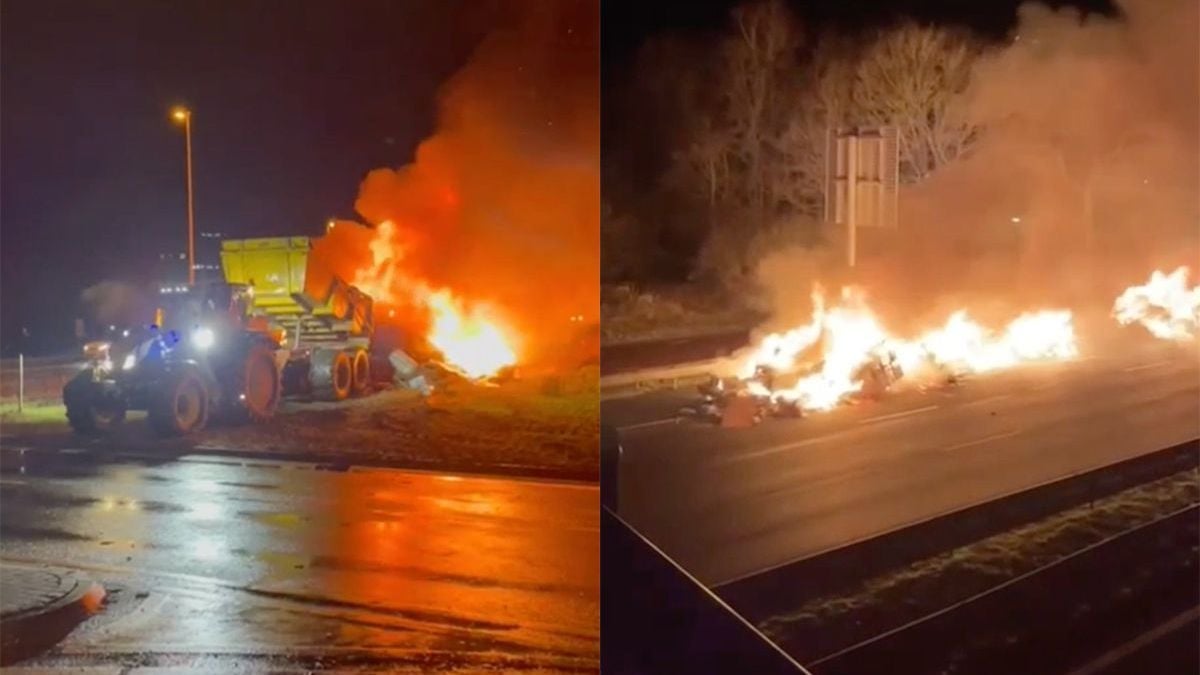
89 411
180 405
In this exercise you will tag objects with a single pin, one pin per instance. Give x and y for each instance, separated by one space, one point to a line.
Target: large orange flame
470 340
851 337
469 336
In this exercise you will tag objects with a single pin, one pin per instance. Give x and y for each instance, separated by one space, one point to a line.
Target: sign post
861 181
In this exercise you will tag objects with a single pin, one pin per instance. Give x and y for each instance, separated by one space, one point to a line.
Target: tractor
231 349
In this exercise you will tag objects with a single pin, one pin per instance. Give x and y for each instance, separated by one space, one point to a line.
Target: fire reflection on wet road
254 561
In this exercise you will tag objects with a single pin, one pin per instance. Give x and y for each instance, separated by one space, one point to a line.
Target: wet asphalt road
730 503
223 564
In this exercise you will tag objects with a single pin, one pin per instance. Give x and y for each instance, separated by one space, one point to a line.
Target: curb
28 632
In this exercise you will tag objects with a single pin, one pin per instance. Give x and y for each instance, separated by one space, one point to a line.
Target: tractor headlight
96 351
203 338
129 362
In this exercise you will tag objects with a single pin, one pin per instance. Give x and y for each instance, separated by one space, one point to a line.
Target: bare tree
822 99
915 78
757 69
704 163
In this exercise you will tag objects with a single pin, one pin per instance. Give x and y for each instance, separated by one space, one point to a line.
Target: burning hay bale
736 403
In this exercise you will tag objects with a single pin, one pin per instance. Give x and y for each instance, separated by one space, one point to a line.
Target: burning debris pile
481 253
844 354
1164 305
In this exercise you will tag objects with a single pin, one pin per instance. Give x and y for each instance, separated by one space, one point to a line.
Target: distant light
180 114
125 333
130 361
1015 219
330 224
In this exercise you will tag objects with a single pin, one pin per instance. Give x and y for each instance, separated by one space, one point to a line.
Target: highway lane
730 503
225 563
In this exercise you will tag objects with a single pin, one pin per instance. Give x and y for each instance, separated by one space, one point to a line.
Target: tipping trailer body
295 292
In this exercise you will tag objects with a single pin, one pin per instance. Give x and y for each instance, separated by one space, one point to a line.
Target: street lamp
184 116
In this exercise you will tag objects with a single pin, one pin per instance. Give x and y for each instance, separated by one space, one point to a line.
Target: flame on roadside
470 337
851 338
1164 305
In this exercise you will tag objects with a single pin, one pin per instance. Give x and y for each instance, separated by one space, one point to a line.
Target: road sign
861 180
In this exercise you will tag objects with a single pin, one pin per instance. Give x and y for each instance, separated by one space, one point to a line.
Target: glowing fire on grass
851 339
469 335
468 339
1165 305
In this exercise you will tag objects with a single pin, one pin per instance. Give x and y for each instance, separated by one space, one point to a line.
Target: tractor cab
212 308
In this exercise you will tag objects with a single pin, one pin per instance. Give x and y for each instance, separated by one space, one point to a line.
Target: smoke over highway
1083 176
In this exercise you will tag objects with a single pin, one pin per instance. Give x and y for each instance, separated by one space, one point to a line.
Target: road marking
989 399
898 415
643 425
788 446
1114 656
980 441
1146 366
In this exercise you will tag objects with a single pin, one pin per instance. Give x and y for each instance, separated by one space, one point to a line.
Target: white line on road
787 446
898 415
643 425
1146 366
989 399
980 441
1113 657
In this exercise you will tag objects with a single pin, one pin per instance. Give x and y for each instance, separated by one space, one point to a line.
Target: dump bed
295 292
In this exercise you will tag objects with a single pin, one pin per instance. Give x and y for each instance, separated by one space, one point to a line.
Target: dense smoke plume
1084 177
501 205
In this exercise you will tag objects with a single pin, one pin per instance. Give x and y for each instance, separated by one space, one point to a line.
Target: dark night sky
293 103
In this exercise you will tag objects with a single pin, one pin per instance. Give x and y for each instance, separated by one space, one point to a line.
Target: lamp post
184 116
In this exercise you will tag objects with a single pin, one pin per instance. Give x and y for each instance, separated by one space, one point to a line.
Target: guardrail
655 618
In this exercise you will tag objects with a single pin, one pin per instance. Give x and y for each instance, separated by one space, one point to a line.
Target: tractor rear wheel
255 387
360 366
331 374
89 411
180 405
